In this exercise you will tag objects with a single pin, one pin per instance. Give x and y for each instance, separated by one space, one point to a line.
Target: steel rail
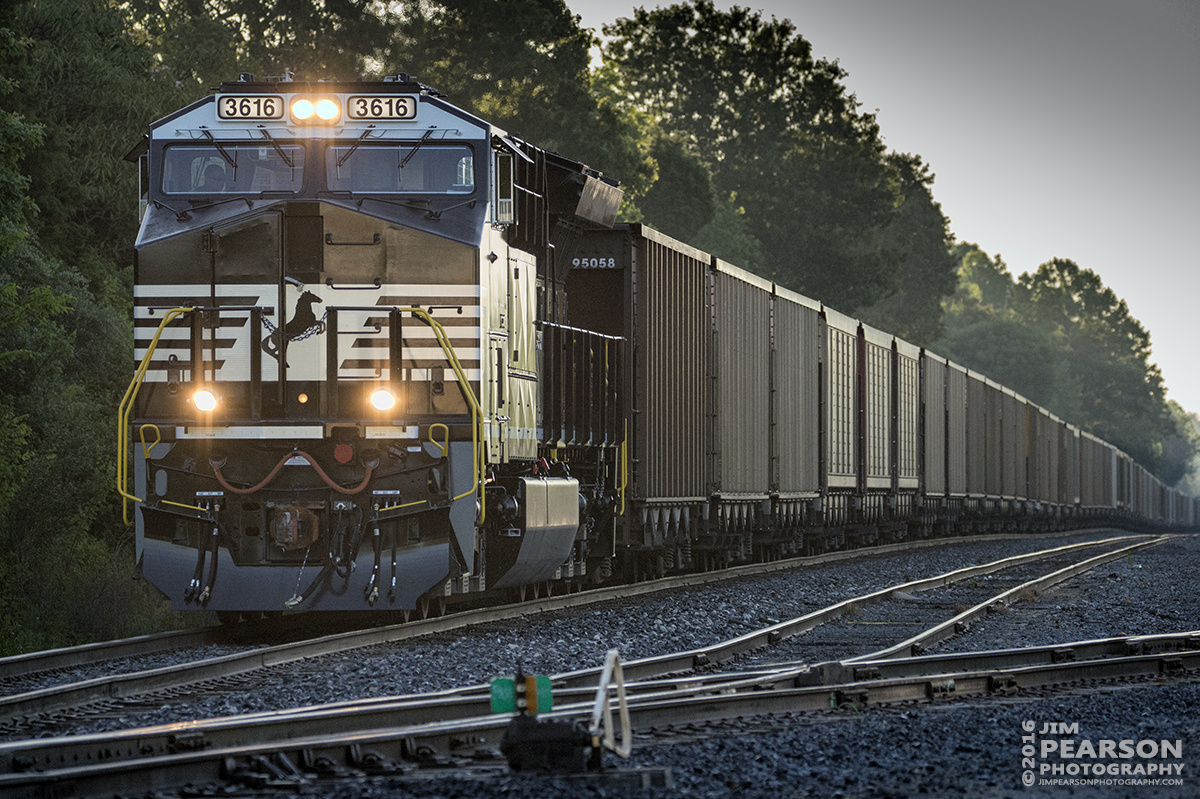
917 644
725 650
125 685
392 747
455 703
90 654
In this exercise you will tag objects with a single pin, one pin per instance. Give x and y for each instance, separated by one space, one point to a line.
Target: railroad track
17 671
441 725
661 709
108 693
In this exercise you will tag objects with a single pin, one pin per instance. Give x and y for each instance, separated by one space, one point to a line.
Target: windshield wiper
365 135
282 154
416 147
220 149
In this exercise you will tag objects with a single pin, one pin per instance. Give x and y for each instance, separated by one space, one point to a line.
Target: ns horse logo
304 323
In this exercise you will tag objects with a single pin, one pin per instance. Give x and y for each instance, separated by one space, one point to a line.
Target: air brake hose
194 586
392 590
206 594
296 600
371 592
216 467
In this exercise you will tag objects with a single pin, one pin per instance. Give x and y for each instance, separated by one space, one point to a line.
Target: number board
391 107
254 106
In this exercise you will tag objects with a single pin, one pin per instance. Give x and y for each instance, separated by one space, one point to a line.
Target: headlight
382 399
204 400
323 109
302 109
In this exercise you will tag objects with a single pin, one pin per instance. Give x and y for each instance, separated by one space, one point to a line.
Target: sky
1055 128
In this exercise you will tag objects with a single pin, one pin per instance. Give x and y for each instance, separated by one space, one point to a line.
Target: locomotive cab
337 349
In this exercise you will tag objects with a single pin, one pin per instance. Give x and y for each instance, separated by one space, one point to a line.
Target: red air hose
311 461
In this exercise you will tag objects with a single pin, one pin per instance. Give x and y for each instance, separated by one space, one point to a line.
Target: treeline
1065 340
723 127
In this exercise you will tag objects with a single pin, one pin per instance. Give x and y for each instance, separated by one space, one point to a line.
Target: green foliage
727 237
683 204
82 76
77 93
523 65
64 357
1063 339
919 240
776 126
1184 448
200 43
17 210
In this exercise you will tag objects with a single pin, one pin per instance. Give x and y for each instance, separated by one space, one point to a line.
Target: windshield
400 169
232 168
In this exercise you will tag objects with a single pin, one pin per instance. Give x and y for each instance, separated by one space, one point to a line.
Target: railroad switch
1003 685
258 772
940 689
553 746
530 744
855 701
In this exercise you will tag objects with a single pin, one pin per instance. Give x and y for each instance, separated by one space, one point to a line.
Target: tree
17 209
776 126
1122 394
1184 449
84 79
683 203
200 43
726 236
919 239
524 65
1064 340
74 98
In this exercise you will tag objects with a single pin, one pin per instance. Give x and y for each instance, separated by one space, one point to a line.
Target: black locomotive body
389 355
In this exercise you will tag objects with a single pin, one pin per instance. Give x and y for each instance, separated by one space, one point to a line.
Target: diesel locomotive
389 356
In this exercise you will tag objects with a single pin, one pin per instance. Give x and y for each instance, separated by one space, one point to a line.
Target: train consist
389 356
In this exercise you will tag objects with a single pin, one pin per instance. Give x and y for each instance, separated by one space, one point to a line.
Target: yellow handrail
444 444
624 466
126 406
465 387
146 450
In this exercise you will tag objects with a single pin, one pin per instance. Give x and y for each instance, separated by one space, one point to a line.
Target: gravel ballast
961 749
